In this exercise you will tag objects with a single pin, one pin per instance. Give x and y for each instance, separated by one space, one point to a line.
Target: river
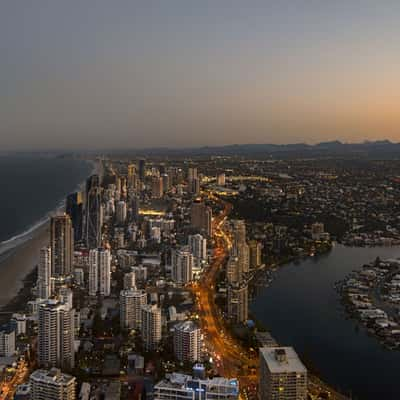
302 309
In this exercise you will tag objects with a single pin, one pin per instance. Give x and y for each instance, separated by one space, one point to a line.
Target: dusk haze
200 200
82 74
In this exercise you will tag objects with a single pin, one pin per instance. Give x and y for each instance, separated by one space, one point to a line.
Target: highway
8 388
229 358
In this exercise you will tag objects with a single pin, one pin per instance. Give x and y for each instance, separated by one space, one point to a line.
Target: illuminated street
8 387
230 359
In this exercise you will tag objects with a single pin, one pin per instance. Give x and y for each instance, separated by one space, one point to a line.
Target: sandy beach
22 259
20 262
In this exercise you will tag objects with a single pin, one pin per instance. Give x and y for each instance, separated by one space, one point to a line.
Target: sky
131 74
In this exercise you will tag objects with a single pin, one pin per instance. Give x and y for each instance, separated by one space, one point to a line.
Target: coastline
19 257
19 263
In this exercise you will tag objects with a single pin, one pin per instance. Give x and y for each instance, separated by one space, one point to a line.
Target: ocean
32 187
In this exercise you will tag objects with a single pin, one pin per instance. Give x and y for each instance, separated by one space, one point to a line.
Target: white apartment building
151 326
184 387
56 335
52 385
187 342
44 273
182 266
130 303
282 374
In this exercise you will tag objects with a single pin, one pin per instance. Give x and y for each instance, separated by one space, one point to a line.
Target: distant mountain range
382 149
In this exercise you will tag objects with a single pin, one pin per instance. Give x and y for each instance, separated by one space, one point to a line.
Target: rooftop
187 382
282 359
186 326
53 375
23 389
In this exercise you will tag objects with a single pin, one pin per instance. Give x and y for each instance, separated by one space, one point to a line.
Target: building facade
201 217
282 375
182 266
44 273
238 302
56 335
187 342
52 385
151 326
62 245
99 272
131 302
198 247
185 387
7 340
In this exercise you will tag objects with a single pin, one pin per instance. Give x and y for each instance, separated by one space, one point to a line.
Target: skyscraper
240 247
131 178
238 231
135 208
7 340
201 217
93 214
131 302
142 169
238 302
121 212
56 335
151 326
243 254
130 280
62 245
193 181
157 190
52 385
165 182
91 182
282 374
255 253
93 272
104 272
187 342
74 208
44 273
232 270
99 272
182 266
198 247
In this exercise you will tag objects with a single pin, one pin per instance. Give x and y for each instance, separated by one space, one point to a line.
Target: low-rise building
185 387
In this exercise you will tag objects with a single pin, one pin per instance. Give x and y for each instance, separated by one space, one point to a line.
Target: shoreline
372 302
19 263
316 382
337 382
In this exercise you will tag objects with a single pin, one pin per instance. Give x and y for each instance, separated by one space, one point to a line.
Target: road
8 388
230 359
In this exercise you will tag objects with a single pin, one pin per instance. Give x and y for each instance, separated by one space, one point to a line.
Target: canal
302 309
